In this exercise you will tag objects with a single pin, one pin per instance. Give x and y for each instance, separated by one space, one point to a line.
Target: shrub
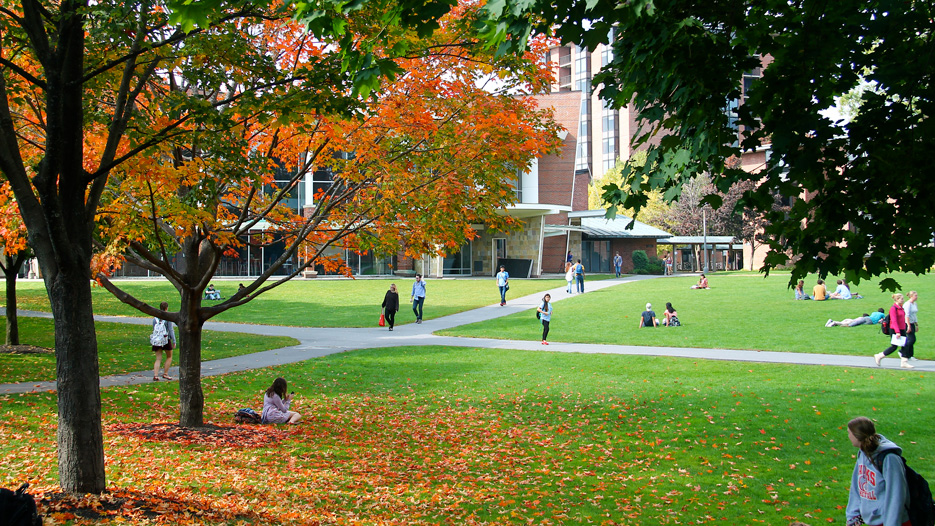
640 260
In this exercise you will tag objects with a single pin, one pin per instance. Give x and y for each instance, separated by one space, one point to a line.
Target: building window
608 138
582 70
583 155
517 184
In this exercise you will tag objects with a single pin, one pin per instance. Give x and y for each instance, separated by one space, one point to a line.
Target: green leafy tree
679 62
653 211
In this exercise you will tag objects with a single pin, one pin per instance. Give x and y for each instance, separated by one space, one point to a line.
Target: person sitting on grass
212 293
276 405
819 291
671 317
841 292
702 283
866 319
648 318
800 291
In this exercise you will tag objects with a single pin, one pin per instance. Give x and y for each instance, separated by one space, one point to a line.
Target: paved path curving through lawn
315 342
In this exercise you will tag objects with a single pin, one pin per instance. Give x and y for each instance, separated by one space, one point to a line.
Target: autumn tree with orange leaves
430 154
121 90
83 91
14 253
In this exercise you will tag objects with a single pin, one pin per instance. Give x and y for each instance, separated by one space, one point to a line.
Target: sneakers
544 342
877 357
391 328
829 323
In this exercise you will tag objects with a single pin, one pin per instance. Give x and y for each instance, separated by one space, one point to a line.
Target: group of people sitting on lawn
648 317
820 292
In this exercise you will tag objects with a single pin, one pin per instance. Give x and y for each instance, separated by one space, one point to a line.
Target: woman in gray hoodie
878 489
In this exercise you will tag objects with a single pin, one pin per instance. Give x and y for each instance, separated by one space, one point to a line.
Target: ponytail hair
866 433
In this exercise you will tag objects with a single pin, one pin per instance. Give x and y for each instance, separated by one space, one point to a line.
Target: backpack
246 416
159 337
18 508
921 507
885 325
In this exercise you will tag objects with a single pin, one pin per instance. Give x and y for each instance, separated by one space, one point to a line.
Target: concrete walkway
316 342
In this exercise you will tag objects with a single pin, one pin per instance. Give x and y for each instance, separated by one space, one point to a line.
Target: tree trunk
80 438
11 266
191 396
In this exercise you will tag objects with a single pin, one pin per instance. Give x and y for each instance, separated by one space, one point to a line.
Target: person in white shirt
503 283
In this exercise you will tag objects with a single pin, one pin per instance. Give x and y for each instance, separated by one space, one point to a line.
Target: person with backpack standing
897 326
879 492
544 313
579 276
163 341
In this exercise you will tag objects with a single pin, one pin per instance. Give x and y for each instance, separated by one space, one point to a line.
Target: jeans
503 294
617 268
580 278
417 306
571 286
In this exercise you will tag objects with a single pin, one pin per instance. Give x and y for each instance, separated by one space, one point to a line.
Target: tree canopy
861 184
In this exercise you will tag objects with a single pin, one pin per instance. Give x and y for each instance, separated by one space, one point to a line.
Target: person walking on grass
391 305
162 340
503 283
276 405
897 327
545 316
879 493
418 297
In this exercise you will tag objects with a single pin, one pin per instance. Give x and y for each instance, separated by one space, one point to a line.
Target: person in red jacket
897 326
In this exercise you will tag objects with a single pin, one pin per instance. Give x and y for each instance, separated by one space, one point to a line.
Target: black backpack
18 508
246 416
885 325
921 507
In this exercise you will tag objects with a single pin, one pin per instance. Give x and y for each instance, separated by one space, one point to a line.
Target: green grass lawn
436 435
121 348
742 310
311 303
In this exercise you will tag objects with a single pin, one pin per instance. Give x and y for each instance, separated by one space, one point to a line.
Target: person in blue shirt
418 297
503 283
545 316
866 319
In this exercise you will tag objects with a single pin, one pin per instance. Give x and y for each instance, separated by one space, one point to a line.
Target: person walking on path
618 263
545 316
570 277
503 283
163 341
276 405
879 493
418 297
897 327
579 276
390 305
912 327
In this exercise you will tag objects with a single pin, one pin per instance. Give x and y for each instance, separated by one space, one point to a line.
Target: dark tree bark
11 266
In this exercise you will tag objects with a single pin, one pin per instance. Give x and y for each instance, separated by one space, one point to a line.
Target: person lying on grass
865 319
